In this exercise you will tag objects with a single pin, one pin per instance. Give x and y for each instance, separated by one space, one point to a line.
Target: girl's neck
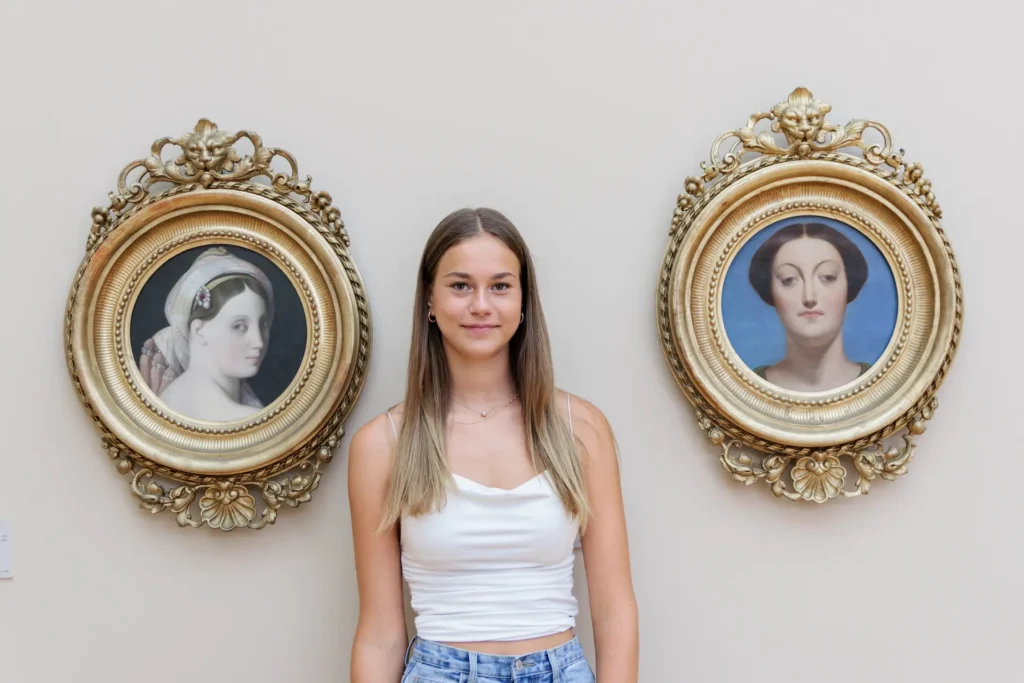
476 381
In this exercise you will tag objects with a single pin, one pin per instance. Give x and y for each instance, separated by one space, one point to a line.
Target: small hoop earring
431 317
522 318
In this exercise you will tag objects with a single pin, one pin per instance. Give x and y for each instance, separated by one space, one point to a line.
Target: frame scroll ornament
809 446
240 473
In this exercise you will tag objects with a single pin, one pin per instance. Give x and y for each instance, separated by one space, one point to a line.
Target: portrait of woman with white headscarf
218 314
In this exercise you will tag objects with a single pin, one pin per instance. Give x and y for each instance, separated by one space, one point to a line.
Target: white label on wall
6 568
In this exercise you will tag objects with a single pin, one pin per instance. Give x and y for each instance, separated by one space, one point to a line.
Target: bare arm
613 606
378 649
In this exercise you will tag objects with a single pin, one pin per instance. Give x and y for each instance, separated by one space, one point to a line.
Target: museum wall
580 121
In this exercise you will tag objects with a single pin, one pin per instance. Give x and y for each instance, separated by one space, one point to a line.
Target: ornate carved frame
213 194
797 442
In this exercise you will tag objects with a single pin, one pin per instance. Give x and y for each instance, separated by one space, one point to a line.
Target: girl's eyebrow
465 276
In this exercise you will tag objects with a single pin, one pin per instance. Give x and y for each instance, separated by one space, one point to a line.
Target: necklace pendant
483 413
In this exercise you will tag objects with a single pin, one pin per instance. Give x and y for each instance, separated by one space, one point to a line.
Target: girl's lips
479 329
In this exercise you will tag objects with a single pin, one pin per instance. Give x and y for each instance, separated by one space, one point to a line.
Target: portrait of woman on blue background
809 304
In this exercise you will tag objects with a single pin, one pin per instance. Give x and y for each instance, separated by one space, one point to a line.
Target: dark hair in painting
854 263
224 291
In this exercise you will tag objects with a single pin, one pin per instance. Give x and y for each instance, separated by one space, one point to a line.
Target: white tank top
493 564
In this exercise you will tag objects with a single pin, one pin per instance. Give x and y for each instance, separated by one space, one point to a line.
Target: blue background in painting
753 326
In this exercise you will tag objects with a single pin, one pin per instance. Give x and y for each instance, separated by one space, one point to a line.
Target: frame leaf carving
798 132
209 161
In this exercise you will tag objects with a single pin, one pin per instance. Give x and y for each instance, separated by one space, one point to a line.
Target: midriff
515 648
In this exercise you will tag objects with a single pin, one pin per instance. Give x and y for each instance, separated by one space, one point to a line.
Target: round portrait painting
218 333
809 304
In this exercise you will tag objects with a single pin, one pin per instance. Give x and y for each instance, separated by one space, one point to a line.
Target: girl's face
809 289
236 337
477 296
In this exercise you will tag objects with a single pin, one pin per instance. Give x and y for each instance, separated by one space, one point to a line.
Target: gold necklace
483 413
486 414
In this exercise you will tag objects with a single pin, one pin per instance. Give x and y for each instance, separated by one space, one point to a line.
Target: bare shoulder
589 423
372 446
584 413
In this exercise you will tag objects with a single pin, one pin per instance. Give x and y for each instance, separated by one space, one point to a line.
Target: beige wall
580 120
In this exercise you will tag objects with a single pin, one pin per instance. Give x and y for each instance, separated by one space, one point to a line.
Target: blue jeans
430 662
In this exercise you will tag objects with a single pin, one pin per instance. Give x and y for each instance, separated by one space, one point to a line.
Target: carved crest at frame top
209 159
799 130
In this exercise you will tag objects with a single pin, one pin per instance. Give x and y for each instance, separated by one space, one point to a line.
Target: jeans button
519 665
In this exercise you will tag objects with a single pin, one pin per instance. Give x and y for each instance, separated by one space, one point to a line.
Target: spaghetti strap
568 405
394 430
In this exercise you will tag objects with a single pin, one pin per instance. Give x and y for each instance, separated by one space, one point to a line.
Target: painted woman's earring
522 318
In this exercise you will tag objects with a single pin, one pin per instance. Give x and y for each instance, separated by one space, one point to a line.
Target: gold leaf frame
802 165
213 195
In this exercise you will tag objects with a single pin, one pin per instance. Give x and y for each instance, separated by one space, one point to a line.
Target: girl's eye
829 278
240 327
459 286
501 285
788 281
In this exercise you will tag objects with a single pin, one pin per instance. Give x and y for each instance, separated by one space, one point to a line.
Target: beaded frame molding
217 448
770 422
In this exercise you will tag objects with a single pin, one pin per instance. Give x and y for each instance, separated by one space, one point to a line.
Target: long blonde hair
420 474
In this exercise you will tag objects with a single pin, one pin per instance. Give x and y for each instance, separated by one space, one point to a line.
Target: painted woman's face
809 290
237 335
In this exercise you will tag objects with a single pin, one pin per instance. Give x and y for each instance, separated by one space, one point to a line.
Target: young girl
476 487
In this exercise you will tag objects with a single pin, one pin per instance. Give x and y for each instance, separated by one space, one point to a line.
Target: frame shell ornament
798 443
213 197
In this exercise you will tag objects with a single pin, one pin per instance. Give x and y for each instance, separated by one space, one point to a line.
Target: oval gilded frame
211 473
797 442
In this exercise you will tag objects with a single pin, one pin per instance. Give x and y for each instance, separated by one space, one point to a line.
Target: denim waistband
494 666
